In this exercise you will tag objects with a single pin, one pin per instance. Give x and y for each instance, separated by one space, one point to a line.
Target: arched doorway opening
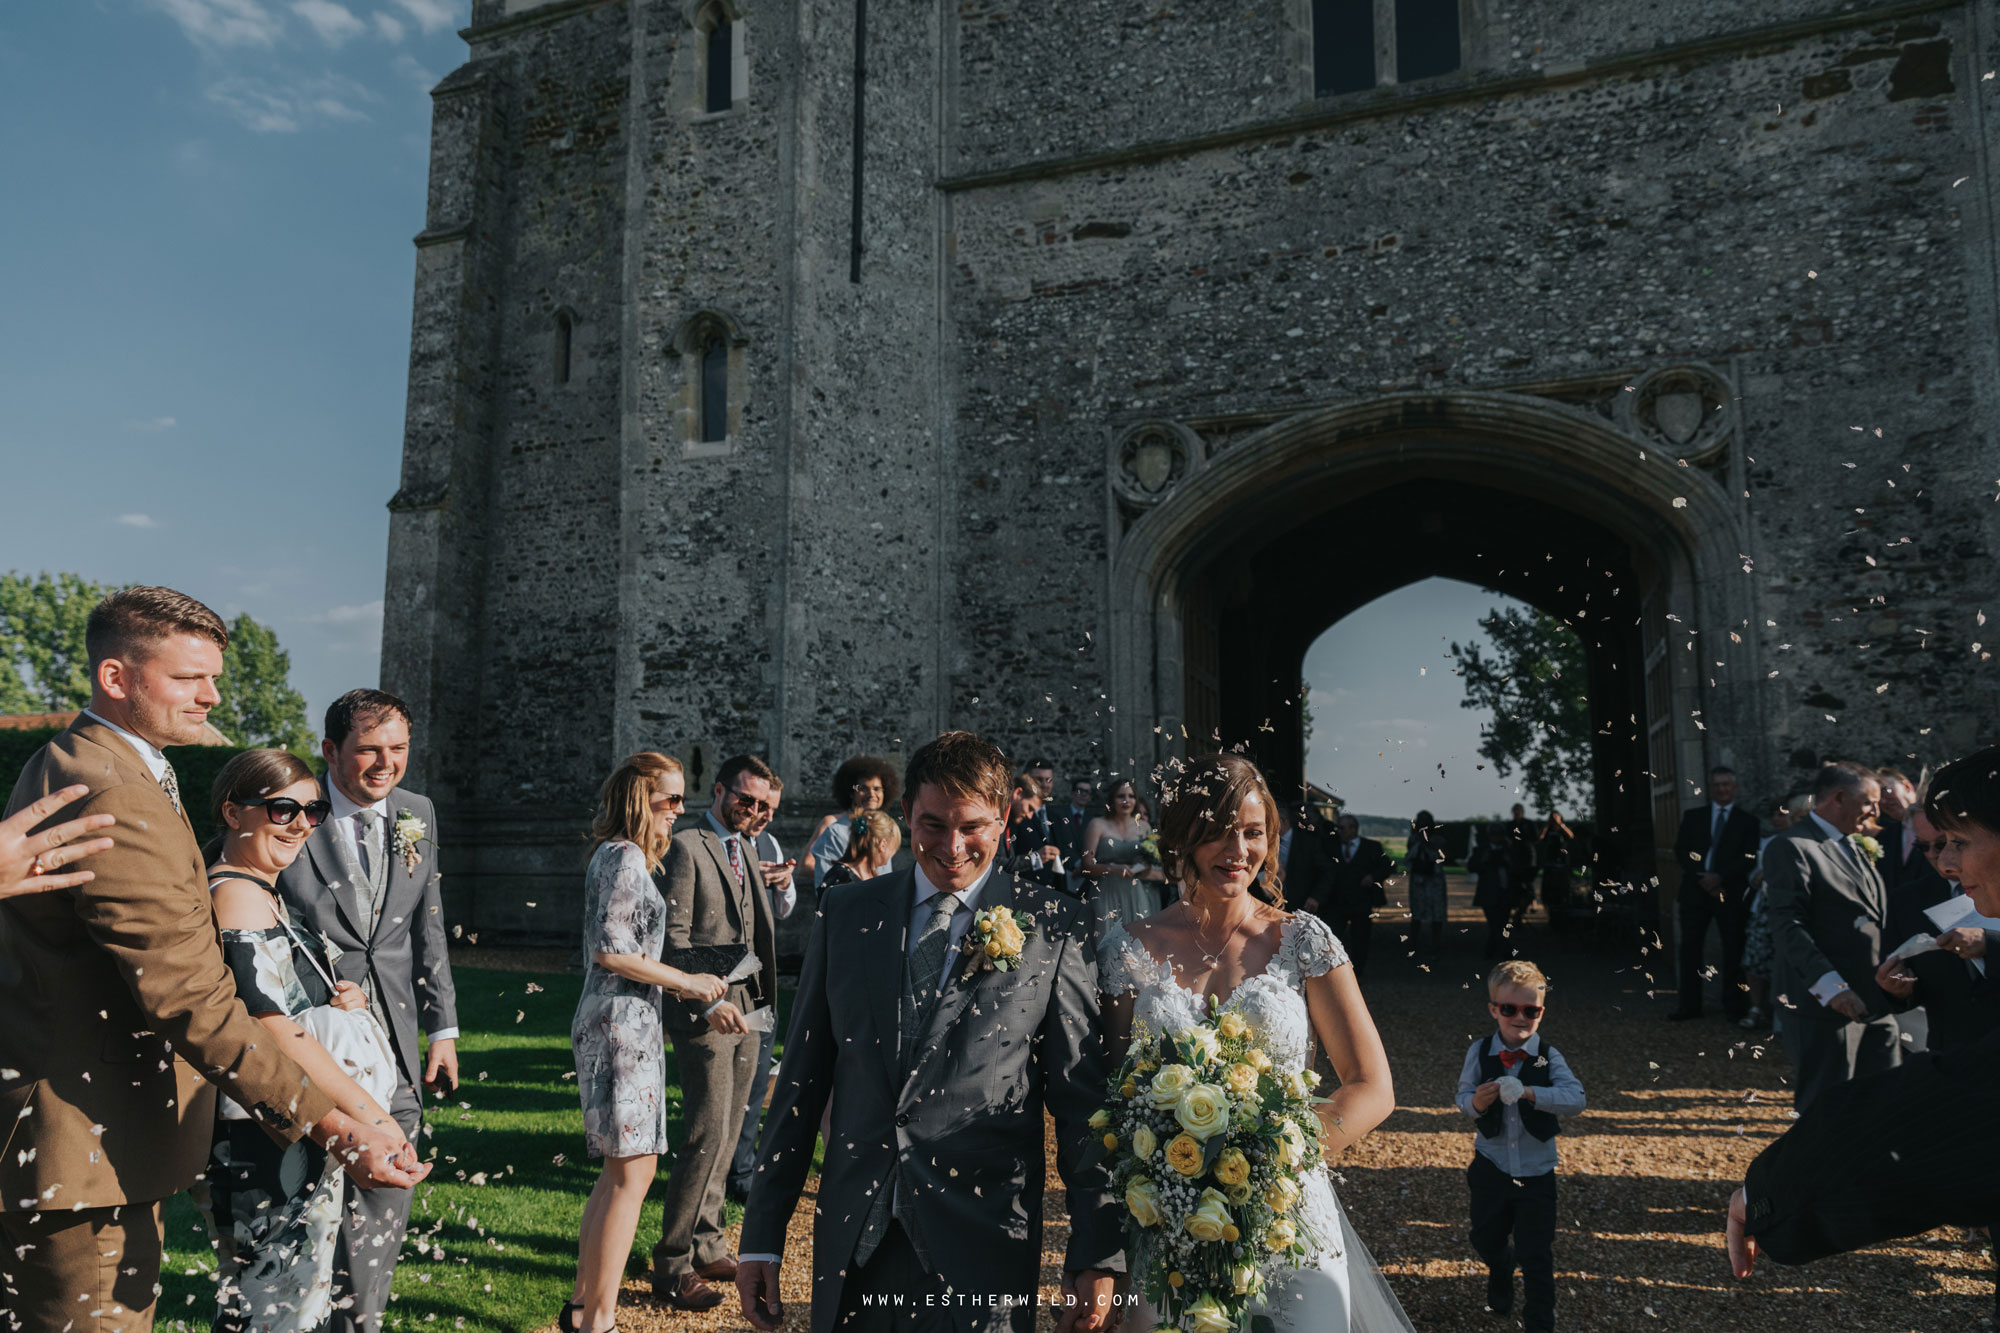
1252 545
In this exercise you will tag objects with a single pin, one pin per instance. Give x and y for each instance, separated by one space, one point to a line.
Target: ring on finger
38 867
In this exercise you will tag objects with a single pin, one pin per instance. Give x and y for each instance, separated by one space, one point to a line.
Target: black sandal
566 1321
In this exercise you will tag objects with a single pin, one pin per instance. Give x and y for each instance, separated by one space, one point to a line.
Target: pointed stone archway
1233 551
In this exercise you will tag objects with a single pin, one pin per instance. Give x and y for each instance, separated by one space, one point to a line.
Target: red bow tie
1509 1059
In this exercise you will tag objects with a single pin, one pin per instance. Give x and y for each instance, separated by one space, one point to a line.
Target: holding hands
28 860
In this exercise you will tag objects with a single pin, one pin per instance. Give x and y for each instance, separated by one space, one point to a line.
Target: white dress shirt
149 754
785 900
346 826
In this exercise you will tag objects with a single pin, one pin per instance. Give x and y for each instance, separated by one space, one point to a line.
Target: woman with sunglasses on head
618 1034
275 1209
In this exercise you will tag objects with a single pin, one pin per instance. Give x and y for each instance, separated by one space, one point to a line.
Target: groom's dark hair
358 710
961 765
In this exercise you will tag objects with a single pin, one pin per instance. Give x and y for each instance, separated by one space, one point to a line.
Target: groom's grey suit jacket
402 958
966 1125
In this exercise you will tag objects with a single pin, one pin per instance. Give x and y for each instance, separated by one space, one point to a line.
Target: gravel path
1676 1113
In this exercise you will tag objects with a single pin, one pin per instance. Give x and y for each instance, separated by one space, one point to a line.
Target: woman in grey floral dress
617 1035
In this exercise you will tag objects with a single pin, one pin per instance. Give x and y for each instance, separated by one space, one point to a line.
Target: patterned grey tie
370 858
920 996
172 786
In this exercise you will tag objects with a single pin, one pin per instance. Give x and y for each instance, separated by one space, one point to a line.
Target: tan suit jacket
118 1005
706 906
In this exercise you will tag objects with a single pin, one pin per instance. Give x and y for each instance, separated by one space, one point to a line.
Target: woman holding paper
617 1035
1946 975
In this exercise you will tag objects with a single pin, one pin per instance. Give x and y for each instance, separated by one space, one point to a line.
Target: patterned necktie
920 994
172 786
735 848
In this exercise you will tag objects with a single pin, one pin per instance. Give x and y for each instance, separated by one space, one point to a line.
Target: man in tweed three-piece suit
938 1066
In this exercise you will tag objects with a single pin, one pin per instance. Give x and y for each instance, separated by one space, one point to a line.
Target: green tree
1535 685
44 667
259 705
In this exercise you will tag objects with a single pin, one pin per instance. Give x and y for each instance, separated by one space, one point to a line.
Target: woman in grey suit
617 1034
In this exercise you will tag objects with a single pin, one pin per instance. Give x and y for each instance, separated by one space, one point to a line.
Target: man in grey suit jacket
369 883
715 901
939 1066
1828 909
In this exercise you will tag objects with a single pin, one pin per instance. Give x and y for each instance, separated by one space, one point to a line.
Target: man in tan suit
715 902
118 1005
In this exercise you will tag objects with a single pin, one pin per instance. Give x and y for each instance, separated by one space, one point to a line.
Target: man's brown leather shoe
722 1270
690 1293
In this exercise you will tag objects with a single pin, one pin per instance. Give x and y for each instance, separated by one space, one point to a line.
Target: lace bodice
1271 1002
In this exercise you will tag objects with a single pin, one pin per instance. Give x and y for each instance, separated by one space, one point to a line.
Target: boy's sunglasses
1524 1010
283 810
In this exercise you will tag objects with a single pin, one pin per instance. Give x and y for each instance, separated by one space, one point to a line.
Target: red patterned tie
735 858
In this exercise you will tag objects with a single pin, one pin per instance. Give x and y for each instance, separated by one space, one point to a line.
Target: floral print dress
618 1035
273 1210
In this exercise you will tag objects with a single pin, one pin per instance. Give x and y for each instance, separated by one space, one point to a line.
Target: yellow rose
1257 1060
1281 1196
1291 1146
1142 1197
1210 1216
1143 1141
1169 1084
1100 1118
1241 1079
1111 1142
1009 936
1245 1279
1206 1315
1232 1167
1231 1025
1205 1044
1280 1236
1239 1194
1184 1155
1203 1110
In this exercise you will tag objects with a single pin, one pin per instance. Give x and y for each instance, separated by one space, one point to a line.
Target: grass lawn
492 1242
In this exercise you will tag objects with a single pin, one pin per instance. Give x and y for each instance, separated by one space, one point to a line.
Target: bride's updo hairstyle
1201 803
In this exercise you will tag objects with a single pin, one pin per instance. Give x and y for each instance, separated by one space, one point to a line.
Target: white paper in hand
1956 913
1916 944
748 968
1510 1089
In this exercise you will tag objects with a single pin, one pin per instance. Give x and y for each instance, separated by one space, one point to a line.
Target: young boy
1514 1086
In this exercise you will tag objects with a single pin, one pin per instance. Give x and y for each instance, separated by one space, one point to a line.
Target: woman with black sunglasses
275 1210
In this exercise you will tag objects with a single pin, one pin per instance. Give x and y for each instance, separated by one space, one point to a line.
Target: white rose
1205 1043
1168 1085
1143 1141
1203 1110
1142 1197
1206 1315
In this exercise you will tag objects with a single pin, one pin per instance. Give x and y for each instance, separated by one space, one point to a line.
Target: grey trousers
372 1223
1826 1055
716 1071
893 1292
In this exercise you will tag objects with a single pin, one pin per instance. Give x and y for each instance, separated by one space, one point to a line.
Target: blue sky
1388 732
208 270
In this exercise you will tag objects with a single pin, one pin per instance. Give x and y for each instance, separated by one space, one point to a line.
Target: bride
1287 975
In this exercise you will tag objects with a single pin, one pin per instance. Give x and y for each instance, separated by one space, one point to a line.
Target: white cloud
269 108
389 26
412 69
362 613
334 23
153 425
218 23
139 520
431 14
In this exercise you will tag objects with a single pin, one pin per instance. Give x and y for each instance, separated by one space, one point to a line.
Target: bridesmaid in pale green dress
1128 881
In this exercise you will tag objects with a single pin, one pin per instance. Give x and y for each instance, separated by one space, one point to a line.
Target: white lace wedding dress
1339 1289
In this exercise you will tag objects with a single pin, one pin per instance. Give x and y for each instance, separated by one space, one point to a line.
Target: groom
939 1066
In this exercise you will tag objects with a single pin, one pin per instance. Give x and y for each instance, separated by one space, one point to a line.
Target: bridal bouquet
1209 1146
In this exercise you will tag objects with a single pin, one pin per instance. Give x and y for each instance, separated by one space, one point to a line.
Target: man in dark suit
941 1072
715 900
1828 911
1899 849
1027 850
1910 1149
1066 826
1352 884
1716 850
368 882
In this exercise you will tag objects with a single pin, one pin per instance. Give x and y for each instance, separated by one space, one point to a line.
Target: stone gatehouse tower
809 375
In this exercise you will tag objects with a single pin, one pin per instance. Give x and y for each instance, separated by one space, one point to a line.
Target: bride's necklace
1214 960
